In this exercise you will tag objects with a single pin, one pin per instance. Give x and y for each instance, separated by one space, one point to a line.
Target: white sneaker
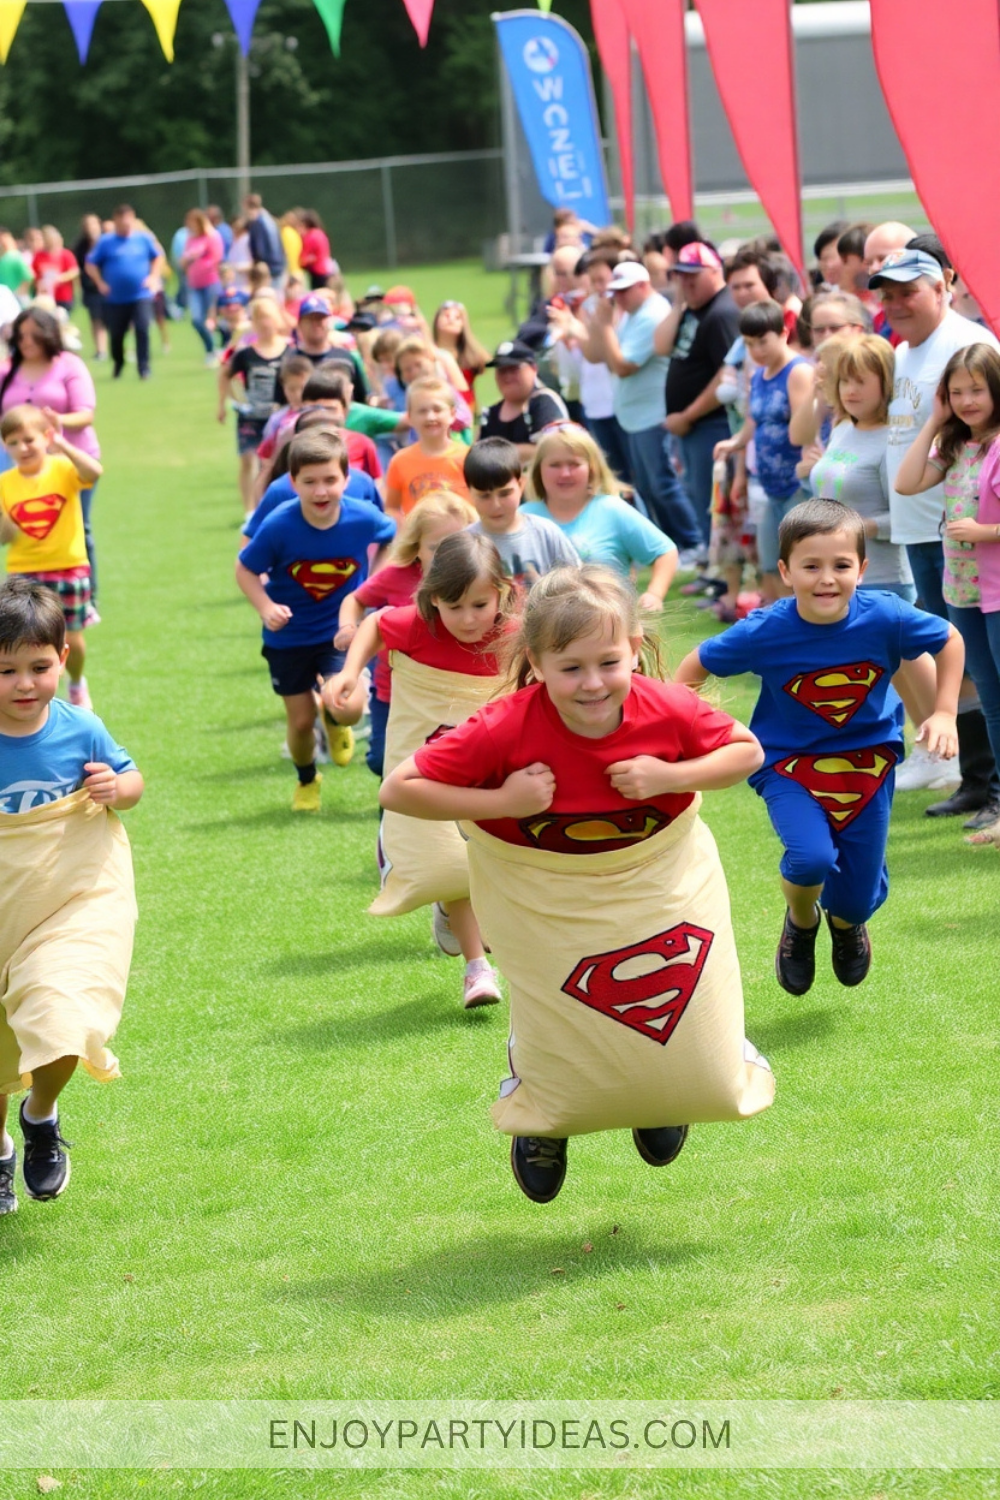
922 771
442 933
481 987
79 694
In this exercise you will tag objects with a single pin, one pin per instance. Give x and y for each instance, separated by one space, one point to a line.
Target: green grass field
296 1192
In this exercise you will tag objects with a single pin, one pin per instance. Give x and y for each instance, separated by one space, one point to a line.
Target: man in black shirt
312 338
698 335
527 405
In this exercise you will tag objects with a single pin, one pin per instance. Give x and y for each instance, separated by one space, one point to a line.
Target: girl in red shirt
437 514
444 667
584 777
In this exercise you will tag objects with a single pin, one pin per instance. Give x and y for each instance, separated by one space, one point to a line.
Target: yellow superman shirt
46 510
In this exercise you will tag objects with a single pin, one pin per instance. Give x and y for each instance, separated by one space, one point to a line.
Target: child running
434 517
599 888
312 553
831 728
257 367
434 461
442 656
42 519
67 899
528 545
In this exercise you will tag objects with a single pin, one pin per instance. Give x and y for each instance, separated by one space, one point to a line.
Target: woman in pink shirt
40 372
200 261
315 257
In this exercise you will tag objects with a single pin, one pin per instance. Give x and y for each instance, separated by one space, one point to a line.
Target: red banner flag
918 47
658 29
611 35
752 55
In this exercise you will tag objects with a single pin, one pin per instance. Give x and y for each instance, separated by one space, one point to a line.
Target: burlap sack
67 916
421 861
625 994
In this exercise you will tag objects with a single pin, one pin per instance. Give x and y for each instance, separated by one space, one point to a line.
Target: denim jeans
981 666
696 451
201 301
927 567
375 757
658 484
86 503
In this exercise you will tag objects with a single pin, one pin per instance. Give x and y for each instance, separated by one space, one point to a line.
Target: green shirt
373 421
15 270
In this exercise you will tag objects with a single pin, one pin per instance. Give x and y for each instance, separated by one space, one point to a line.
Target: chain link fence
393 211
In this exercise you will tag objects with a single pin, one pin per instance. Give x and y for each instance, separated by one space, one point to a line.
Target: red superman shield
646 986
321 579
37 517
596 833
835 693
843 784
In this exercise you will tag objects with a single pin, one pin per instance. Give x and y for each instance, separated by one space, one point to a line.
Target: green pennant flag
545 5
332 14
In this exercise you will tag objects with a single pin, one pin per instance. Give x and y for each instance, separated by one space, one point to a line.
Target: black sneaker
661 1146
46 1165
539 1166
852 952
8 1197
795 960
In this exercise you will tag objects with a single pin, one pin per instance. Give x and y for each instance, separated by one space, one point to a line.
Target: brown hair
977 359
316 448
21 418
567 603
436 505
30 615
430 385
386 343
328 384
413 346
458 562
819 518
867 355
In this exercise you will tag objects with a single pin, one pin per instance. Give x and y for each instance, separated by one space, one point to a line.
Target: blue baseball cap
314 305
233 296
907 265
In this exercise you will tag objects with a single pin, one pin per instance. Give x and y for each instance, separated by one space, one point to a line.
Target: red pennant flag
611 35
917 45
659 35
419 12
750 46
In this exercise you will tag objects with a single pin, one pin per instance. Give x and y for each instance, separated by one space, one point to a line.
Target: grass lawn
295 1191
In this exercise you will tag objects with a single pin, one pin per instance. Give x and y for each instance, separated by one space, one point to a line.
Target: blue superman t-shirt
825 688
310 569
42 767
360 486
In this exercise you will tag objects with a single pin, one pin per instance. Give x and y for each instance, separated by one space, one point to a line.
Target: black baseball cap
512 352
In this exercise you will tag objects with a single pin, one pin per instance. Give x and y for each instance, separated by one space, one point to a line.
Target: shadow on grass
505 1269
273 721
295 965
797 1029
279 817
435 1011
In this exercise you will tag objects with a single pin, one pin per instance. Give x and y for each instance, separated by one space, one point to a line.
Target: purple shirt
66 386
988 553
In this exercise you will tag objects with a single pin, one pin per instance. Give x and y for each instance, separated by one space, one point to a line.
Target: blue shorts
846 859
249 434
767 529
295 671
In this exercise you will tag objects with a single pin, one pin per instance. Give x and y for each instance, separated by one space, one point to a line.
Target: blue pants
666 498
609 436
86 504
379 711
849 863
201 301
981 666
696 451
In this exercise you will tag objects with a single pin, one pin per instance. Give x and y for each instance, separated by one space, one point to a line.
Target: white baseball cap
629 273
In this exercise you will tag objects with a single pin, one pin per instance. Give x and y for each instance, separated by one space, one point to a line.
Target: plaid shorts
72 587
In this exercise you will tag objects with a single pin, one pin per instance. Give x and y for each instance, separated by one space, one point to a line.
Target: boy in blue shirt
313 553
67 899
832 728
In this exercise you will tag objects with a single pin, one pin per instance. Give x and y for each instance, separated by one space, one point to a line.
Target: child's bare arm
88 468
274 616
691 673
118 789
8 531
939 732
645 776
352 612
523 793
367 643
225 391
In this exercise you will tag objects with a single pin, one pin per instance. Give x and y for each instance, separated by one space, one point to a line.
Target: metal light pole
242 122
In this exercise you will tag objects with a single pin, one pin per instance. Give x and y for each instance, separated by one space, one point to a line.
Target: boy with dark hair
832 728
827 254
782 383
67 900
313 553
851 249
528 545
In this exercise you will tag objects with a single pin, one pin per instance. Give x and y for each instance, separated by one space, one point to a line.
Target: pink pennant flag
419 12
611 35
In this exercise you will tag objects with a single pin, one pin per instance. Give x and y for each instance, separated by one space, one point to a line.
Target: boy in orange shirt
435 461
42 520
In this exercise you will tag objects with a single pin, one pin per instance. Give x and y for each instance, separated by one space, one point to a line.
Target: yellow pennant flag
164 14
11 12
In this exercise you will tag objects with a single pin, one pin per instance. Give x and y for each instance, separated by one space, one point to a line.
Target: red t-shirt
406 630
587 815
361 452
391 585
48 263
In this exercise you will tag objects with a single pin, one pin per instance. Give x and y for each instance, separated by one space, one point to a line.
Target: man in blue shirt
124 266
265 237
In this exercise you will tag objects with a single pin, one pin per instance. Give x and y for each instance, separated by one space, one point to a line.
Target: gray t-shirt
853 470
535 548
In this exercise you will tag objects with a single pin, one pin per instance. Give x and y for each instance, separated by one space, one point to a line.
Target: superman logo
321 579
843 784
37 517
647 986
596 833
835 693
